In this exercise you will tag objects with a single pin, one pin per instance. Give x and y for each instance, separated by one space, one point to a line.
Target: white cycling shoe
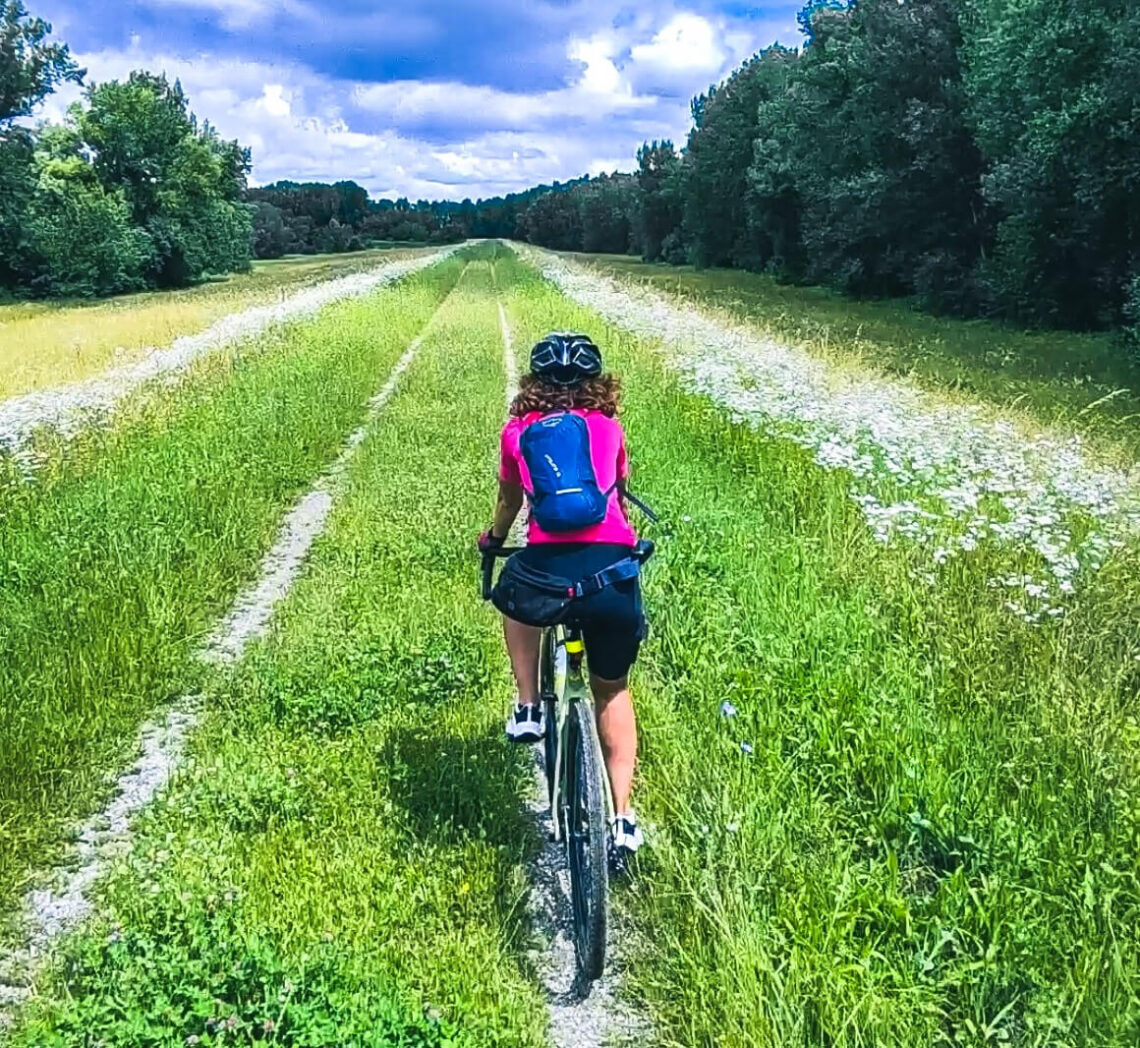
526 723
625 840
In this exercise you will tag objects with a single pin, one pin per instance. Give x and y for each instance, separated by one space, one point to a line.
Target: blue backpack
566 496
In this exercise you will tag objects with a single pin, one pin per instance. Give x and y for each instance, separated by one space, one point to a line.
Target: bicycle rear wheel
585 828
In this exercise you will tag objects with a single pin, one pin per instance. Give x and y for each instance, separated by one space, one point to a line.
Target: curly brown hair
593 394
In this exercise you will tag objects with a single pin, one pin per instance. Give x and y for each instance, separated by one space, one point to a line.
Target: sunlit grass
1058 377
916 822
123 554
341 861
44 344
919 822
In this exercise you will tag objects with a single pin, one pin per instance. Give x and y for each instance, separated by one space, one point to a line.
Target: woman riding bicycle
564 450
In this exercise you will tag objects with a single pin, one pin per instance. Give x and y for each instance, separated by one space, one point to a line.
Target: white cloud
431 139
601 76
275 101
686 44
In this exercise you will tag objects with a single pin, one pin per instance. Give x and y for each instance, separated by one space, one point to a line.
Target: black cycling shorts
613 621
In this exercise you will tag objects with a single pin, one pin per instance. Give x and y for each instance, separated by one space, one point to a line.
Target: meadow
1088 381
53 343
883 808
119 558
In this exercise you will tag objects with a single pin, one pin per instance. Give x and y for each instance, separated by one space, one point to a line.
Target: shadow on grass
450 787
453 790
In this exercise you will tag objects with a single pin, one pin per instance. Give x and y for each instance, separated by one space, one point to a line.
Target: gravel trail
69 409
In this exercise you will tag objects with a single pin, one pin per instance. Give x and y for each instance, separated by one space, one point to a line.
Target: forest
980 157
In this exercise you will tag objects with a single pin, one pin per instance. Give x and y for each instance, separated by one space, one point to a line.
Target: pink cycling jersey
607 452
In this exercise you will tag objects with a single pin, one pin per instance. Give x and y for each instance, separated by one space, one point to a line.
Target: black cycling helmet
565 358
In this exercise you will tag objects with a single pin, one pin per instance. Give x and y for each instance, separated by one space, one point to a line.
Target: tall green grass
919 823
1064 377
342 856
116 562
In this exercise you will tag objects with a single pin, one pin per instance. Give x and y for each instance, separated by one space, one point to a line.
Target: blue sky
428 98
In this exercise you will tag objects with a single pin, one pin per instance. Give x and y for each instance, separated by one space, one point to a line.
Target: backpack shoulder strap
629 496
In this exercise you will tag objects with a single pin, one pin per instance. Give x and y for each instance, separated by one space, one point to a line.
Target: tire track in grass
344 853
69 408
582 1015
51 912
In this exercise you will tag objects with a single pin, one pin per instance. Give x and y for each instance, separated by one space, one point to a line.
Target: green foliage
183 184
30 67
314 217
719 153
871 138
659 202
1131 331
129 193
199 977
272 236
79 240
1055 103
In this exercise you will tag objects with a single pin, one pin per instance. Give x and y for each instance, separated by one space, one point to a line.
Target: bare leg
617 729
522 645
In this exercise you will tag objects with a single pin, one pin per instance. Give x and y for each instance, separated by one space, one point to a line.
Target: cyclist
566 379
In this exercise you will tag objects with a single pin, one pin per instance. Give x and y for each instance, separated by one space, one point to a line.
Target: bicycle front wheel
585 828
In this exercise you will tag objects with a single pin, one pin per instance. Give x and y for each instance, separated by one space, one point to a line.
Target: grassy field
921 823
916 822
341 863
53 343
120 558
1086 380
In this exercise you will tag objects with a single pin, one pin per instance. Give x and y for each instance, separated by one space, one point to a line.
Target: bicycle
578 788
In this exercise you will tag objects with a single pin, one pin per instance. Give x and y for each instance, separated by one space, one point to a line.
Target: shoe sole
525 738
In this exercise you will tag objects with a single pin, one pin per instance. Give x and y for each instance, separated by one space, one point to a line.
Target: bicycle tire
548 695
585 829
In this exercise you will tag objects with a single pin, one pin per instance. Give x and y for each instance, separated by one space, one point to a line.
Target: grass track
350 822
55 343
115 563
932 839
934 836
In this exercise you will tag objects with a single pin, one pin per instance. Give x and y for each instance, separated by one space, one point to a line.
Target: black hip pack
537 598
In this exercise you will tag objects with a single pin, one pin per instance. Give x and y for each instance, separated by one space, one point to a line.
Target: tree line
979 156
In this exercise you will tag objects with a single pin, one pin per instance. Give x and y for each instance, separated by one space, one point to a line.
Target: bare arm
507 507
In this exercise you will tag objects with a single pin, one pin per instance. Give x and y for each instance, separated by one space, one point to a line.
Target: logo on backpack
565 495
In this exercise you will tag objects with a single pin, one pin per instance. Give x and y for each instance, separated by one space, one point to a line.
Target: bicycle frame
569 687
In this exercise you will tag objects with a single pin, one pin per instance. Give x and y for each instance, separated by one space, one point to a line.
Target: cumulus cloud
610 79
